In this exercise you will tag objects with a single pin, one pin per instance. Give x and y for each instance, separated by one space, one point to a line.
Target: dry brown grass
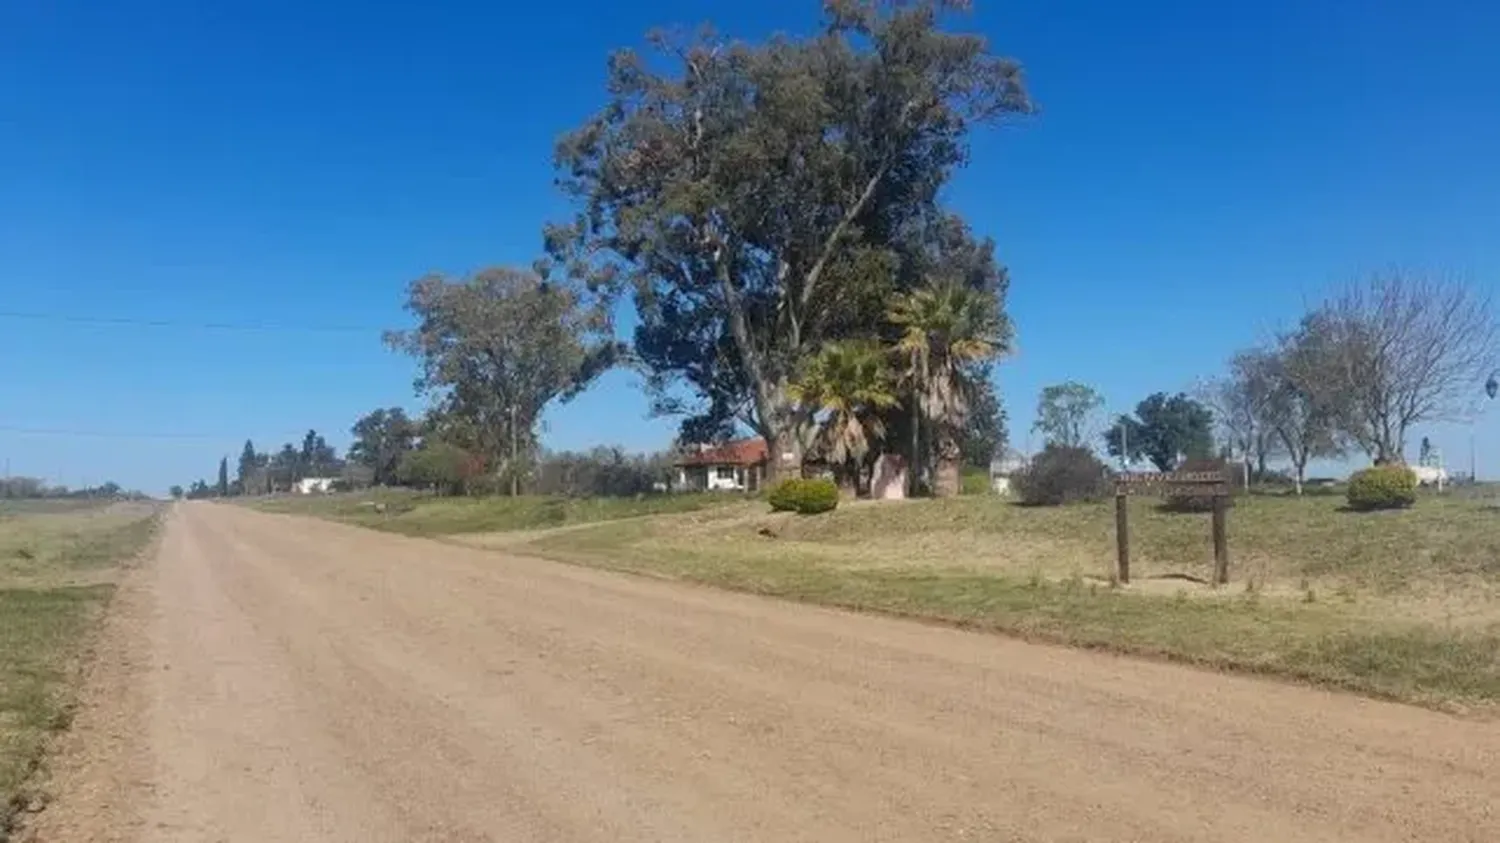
1400 604
1437 562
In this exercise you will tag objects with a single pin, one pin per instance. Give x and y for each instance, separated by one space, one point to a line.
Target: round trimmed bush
804 496
1382 487
1059 475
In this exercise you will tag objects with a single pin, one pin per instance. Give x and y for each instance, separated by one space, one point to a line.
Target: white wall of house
311 485
1430 475
726 478
713 478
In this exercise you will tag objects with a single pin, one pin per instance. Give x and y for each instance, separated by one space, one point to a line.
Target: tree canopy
1165 429
1395 350
381 439
496 348
762 200
1064 413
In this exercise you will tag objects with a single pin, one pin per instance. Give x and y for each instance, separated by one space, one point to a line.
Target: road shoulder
100 768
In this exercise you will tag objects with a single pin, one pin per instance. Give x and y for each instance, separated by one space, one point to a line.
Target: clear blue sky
1199 171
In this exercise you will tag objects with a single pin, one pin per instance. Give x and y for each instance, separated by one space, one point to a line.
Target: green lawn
57 572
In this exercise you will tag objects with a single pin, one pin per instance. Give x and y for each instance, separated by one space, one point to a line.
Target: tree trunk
947 479
780 444
848 480
1301 472
914 463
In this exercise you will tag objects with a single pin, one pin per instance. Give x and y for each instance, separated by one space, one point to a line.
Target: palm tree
851 383
947 331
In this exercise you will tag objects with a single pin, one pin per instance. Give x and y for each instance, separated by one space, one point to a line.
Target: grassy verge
55 579
414 514
1328 645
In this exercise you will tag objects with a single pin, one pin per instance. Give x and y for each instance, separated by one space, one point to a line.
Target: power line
126 321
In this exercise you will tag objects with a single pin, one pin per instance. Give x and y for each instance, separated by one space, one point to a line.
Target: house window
724 472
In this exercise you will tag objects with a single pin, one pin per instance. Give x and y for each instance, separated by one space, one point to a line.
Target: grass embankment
1402 605
416 514
56 574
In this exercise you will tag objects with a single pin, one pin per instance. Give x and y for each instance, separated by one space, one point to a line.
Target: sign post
1221 540
1177 484
1122 534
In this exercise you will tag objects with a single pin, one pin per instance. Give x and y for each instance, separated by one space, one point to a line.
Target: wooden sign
1176 484
1203 484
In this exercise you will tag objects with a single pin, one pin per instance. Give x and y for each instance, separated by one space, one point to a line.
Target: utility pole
515 453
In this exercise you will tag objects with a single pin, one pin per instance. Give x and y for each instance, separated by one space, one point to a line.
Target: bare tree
1295 412
1241 401
1395 350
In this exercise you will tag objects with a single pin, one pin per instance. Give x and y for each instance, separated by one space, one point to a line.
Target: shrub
1382 487
976 481
804 496
1059 475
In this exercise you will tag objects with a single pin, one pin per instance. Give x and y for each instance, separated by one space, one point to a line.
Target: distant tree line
25 488
261 473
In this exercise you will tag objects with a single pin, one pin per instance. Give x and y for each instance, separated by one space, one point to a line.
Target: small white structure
1002 468
314 485
1430 475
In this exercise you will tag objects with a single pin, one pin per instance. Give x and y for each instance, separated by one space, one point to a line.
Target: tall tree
1166 429
381 439
1065 414
223 487
985 437
1241 401
949 334
762 200
285 468
1298 411
250 465
317 458
849 384
1396 350
495 349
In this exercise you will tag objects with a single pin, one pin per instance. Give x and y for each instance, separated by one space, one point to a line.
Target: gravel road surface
269 678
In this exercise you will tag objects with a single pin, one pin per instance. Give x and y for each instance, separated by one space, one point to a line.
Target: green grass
415 514
55 579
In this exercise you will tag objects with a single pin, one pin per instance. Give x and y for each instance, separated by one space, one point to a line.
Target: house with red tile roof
738 466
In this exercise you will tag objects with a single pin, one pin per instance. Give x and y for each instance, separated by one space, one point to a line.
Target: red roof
741 452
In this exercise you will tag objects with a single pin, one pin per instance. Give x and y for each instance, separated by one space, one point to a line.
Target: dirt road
276 679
